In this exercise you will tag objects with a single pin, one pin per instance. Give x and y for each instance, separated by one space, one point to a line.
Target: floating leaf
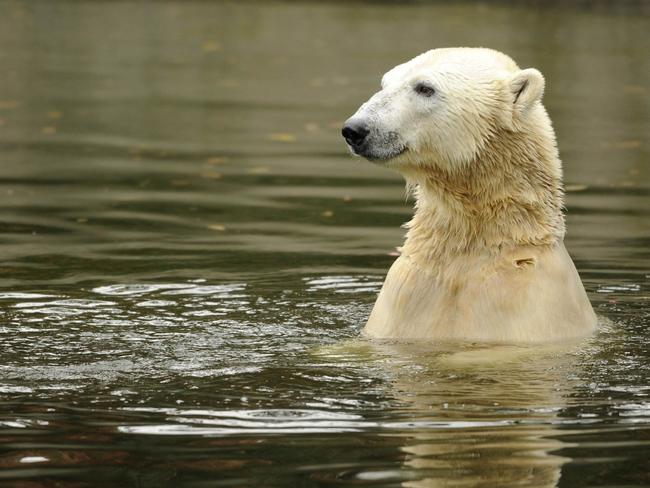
327 213
282 137
216 160
180 183
217 227
8 104
632 144
635 89
211 46
211 175
258 170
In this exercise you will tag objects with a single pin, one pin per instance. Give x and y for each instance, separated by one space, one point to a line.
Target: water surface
188 253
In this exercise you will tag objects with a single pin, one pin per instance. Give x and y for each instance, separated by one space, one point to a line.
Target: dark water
188 253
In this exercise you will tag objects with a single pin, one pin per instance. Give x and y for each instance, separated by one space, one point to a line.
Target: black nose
355 132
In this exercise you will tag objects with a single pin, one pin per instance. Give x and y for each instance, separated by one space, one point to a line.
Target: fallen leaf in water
282 137
55 114
180 183
8 104
575 187
625 184
48 130
217 227
347 198
258 170
327 213
216 160
628 144
211 46
211 175
217 465
635 89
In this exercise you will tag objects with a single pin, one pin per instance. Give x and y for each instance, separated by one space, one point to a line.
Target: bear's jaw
384 158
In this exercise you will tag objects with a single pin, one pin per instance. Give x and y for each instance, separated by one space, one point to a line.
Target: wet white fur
484 257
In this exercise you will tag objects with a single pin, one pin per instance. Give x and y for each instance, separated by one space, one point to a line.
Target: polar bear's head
442 106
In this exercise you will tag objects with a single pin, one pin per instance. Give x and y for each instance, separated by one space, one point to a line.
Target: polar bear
484 257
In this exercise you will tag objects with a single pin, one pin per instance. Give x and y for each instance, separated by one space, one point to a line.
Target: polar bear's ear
526 87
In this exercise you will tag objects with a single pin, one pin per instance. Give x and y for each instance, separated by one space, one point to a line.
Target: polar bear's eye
424 90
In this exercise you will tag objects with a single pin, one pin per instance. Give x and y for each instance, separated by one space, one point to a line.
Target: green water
188 252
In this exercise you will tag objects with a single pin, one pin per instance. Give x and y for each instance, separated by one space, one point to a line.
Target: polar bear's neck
509 196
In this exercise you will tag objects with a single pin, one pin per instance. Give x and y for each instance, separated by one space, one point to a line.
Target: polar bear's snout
354 132
367 138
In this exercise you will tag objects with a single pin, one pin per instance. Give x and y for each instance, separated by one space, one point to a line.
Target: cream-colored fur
484 257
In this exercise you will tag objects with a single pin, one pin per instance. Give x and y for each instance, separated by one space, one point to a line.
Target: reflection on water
515 395
188 253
